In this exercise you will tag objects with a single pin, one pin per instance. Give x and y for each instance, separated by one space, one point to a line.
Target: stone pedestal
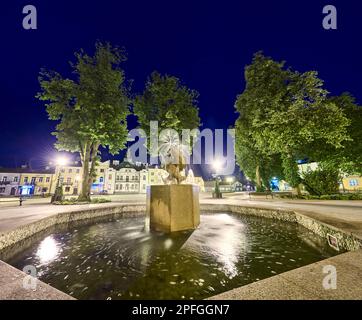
173 207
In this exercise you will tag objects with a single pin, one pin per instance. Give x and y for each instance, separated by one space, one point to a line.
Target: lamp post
216 194
58 193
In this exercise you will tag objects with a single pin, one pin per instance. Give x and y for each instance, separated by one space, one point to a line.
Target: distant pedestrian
20 201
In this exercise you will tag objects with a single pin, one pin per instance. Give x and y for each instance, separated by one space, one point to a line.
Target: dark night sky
205 43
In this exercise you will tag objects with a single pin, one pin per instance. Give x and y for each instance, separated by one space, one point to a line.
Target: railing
2 183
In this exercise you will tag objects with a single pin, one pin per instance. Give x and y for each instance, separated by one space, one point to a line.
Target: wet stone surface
119 259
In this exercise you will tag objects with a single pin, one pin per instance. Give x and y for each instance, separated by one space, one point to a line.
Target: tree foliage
91 109
283 114
323 180
166 100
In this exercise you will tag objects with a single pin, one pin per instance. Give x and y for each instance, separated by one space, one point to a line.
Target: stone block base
173 207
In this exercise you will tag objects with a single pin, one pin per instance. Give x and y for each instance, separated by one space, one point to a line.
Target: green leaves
93 106
287 114
169 102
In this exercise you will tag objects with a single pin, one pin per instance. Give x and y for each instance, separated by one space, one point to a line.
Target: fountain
173 206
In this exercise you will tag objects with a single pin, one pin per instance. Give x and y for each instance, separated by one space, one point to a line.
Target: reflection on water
222 238
48 250
119 260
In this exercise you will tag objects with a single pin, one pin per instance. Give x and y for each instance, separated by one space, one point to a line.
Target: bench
283 193
266 194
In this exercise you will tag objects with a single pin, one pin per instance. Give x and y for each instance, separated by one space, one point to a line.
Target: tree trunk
258 178
299 192
93 159
85 191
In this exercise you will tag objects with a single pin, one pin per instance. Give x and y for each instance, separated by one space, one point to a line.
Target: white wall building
9 183
127 180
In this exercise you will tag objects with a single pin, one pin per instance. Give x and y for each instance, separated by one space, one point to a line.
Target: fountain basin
119 259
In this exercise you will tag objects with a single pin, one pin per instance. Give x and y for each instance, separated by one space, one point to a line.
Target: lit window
353 183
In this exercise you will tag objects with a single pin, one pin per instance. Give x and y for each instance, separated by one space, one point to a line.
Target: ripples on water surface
119 260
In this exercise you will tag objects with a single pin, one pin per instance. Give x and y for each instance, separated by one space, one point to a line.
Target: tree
348 158
258 166
174 106
287 112
91 109
169 102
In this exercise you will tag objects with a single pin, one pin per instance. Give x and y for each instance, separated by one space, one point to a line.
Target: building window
353 183
5 179
2 189
101 179
26 179
40 179
47 179
78 170
70 171
69 180
110 177
62 171
16 179
33 179
67 189
144 178
117 186
121 187
102 170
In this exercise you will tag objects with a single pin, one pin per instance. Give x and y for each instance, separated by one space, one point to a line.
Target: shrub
322 181
100 200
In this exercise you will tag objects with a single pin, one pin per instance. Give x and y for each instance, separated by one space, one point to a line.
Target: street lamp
58 193
61 161
230 180
217 166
